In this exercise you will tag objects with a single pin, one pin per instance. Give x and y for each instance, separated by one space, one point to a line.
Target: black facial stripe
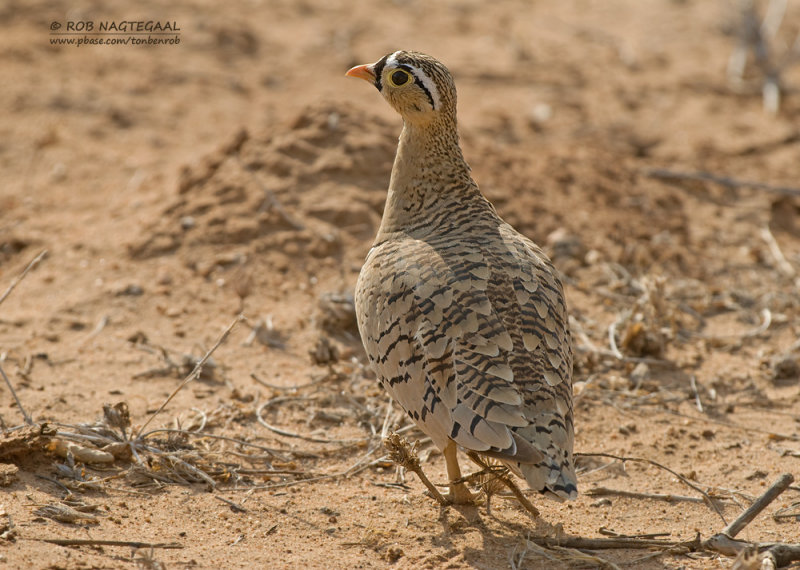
378 70
419 82
425 89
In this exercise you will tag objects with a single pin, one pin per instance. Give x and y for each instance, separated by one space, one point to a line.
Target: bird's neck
429 173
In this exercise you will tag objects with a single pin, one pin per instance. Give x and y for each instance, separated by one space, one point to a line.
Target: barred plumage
463 318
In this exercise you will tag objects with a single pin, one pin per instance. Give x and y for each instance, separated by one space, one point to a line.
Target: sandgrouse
463 318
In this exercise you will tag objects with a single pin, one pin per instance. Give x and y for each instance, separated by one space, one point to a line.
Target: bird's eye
399 77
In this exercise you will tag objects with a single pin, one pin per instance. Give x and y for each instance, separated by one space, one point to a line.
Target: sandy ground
174 186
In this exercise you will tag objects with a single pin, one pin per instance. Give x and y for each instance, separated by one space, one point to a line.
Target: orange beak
364 72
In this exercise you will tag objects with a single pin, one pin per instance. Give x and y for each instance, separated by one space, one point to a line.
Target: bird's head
418 86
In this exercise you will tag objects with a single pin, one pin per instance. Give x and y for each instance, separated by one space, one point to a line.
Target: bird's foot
460 495
405 454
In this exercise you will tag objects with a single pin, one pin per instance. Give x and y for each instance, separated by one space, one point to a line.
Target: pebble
604 502
785 368
640 373
131 289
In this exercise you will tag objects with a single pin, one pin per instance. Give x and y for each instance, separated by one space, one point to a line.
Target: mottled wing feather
470 339
545 367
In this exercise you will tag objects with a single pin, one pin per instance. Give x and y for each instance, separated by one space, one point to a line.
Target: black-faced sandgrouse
463 318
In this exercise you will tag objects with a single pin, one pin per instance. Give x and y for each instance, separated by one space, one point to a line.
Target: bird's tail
554 479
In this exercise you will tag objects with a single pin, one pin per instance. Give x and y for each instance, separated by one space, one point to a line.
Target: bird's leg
505 478
459 494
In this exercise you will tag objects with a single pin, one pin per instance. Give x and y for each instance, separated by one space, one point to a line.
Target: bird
463 319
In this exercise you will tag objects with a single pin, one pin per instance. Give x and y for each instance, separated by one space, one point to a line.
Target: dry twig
759 505
790 512
235 507
705 419
283 432
614 543
708 500
608 532
727 182
405 454
26 439
65 513
293 387
16 281
783 265
780 554
669 498
194 374
722 543
273 452
25 415
97 542
572 556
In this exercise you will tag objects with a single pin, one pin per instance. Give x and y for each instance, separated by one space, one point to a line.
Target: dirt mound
553 196
312 188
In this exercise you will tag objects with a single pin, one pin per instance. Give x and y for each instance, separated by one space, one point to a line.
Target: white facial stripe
428 83
392 61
